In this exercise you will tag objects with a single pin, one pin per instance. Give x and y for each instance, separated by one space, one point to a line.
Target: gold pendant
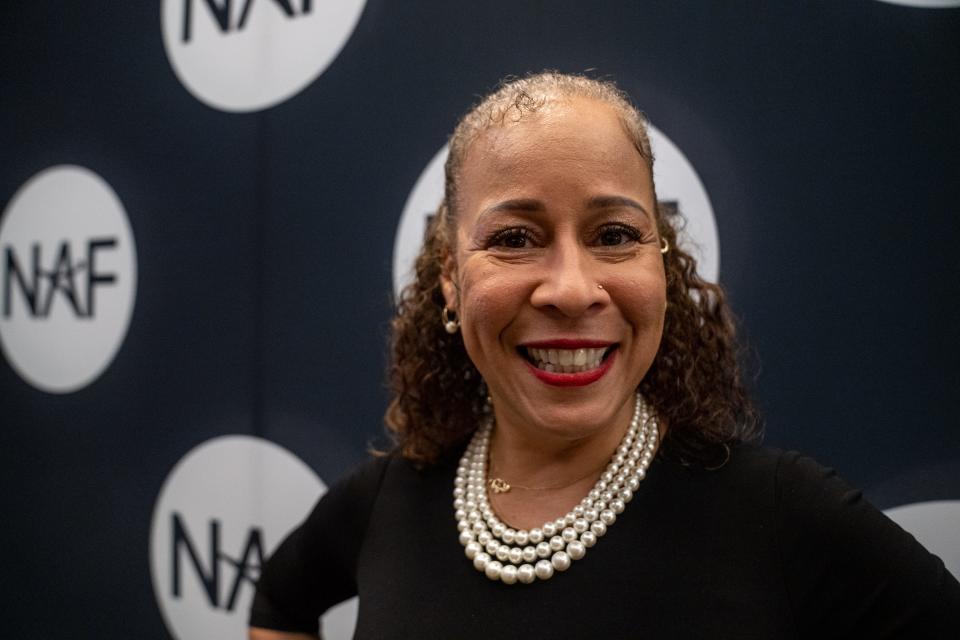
498 485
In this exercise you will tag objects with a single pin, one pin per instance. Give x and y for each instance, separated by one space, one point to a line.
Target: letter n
180 540
220 13
12 270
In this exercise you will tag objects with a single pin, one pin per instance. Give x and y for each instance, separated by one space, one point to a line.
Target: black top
772 545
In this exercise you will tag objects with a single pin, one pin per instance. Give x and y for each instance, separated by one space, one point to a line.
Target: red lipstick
568 343
578 379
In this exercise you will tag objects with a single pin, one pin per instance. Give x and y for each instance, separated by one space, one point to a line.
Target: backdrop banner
208 206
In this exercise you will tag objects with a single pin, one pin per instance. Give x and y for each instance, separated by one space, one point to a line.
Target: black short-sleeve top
771 545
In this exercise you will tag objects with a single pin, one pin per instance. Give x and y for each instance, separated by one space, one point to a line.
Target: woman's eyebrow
531 205
518 204
609 202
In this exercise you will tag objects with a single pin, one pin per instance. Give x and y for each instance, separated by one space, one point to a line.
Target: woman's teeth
566 360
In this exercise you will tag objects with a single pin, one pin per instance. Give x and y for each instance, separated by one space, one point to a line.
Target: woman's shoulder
845 564
364 478
798 486
789 487
384 471
747 471
797 483
787 470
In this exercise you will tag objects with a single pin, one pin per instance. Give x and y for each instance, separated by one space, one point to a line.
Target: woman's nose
569 282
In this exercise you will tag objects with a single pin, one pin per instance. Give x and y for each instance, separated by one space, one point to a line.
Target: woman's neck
548 473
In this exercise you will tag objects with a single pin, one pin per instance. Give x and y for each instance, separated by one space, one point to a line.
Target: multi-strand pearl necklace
523 556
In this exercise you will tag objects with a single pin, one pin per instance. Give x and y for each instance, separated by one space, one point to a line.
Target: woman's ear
448 285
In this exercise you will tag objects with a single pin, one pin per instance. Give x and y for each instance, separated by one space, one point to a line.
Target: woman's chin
574 421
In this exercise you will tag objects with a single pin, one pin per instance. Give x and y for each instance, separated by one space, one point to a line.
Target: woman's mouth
569 363
556 360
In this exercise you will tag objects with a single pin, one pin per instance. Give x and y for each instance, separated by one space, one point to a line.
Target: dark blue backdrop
826 134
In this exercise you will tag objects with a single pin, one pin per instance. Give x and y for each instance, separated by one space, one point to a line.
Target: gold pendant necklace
499 485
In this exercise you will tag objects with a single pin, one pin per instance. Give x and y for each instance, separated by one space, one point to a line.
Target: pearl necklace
522 556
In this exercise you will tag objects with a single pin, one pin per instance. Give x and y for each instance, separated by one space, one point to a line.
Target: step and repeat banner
208 206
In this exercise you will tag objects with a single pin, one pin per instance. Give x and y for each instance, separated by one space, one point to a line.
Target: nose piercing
599 286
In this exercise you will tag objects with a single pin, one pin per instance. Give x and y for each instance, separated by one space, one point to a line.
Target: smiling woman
560 345
549 174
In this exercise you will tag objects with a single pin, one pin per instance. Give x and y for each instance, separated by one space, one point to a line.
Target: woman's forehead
571 136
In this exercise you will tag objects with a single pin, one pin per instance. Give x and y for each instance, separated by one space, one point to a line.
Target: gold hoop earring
664 245
451 326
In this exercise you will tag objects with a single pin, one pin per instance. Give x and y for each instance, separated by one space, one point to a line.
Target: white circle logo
677 184
926 4
246 55
68 278
935 525
223 509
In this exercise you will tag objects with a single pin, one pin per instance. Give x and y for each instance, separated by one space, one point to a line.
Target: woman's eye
617 235
511 239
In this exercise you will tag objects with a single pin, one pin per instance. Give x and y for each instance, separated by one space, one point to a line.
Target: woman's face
557 274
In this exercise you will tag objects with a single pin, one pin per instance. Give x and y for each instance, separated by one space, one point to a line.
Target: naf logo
222 509
73 281
247 55
234 17
68 274
218 571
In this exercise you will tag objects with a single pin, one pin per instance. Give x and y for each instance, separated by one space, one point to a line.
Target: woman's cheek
486 305
641 297
488 284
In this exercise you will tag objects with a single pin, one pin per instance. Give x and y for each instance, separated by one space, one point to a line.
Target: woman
563 377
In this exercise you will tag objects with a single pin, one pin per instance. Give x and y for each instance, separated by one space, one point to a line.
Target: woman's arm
314 567
852 572
257 633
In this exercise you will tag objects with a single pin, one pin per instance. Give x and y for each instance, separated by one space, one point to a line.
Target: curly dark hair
695 382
